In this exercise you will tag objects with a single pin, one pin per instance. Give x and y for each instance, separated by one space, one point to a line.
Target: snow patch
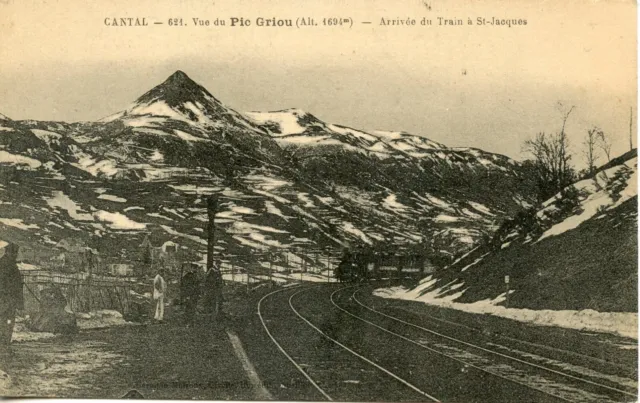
16 159
47 136
597 199
186 136
621 323
391 203
64 202
156 156
265 183
90 165
156 215
272 209
112 198
304 197
446 218
474 262
118 221
287 121
350 228
17 223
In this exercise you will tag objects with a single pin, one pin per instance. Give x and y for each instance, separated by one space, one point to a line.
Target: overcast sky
486 87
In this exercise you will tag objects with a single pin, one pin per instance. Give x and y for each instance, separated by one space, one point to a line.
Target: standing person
11 297
159 290
213 287
218 286
190 292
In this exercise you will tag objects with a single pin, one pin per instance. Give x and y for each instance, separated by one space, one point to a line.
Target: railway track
623 386
350 351
530 374
311 352
624 366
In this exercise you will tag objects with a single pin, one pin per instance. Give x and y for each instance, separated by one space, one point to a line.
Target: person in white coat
159 290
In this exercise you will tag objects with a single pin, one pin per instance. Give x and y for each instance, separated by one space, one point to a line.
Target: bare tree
590 152
604 142
564 144
552 160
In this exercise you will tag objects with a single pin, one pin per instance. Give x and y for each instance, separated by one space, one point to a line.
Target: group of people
191 289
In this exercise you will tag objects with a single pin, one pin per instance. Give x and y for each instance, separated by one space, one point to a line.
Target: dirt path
160 361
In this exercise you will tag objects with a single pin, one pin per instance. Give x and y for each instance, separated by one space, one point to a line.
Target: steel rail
491 351
282 350
386 371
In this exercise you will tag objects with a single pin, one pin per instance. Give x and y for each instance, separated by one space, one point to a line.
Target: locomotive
361 266
352 268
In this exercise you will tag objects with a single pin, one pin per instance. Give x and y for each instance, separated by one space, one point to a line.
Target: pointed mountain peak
180 77
182 99
177 90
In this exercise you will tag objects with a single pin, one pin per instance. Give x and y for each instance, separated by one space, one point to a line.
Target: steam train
350 272
356 267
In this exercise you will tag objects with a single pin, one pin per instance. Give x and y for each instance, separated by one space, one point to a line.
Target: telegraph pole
212 208
328 266
270 269
506 294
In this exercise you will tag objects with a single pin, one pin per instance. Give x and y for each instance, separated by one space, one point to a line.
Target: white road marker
261 392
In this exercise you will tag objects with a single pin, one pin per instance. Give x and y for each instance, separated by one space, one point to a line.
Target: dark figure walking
190 293
213 284
11 297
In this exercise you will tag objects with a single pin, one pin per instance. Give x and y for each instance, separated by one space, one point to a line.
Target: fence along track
488 350
81 293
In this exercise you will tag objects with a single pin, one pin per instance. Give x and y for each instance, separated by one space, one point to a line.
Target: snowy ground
92 320
619 323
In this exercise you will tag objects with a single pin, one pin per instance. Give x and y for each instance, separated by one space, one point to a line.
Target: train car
357 267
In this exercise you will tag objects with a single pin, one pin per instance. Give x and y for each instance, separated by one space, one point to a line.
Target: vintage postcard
287 200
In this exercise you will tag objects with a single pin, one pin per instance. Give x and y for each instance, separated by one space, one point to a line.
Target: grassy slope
593 266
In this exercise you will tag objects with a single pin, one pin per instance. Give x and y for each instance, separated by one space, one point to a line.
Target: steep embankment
577 252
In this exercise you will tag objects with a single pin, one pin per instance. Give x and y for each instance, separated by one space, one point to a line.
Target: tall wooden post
247 272
233 273
328 267
212 208
181 275
89 262
506 284
376 265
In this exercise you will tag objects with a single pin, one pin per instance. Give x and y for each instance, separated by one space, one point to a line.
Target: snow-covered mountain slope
181 99
578 251
297 128
367 161
146 171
